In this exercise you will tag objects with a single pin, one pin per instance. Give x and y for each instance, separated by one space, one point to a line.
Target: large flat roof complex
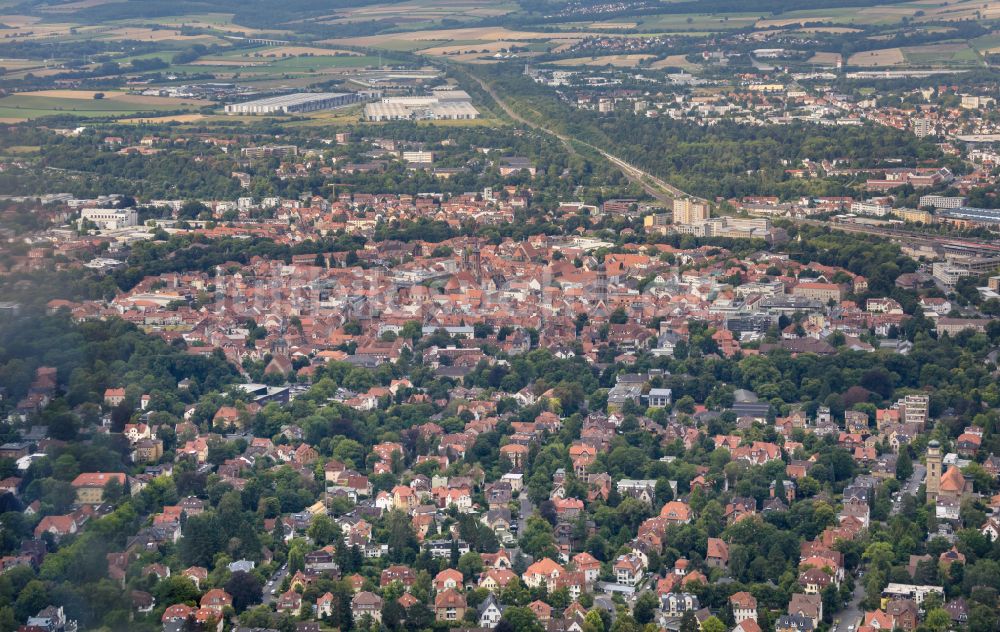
441 105
291 103
974 215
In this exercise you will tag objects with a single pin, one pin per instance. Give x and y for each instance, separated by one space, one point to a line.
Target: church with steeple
948 488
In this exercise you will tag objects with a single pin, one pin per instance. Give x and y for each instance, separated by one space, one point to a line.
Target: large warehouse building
293 103
440 105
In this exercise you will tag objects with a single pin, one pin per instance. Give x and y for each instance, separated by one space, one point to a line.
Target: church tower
476 261
602 282
933 470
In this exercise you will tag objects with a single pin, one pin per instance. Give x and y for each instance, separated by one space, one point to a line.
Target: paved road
852 614
275 584
910 487
527 508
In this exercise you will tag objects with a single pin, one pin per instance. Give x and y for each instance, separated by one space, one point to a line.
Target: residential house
90 486
489 612
543 572
676 512
675 604
447 579
216 600
744 606
289 602
588 565
628 569
366 604
814 580
808 606
449 605
717 555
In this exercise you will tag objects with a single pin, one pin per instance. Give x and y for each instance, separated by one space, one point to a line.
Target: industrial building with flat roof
444 104
292 103
941 201
270 150
976 216
451 95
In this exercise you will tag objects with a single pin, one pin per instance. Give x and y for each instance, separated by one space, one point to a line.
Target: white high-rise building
688 211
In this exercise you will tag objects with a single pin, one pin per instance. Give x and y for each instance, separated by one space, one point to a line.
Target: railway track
665 192
653 185
970 245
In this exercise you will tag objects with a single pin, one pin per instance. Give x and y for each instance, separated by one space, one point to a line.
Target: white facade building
110 218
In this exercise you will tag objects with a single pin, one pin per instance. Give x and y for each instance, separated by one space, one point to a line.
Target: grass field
940 55
144 34
315 64
277 52
20 108
70 7
478 51
19 64
222 22
21 150
613 26
170 118
878 58
696 22
955 53
281 60
961 10
985 44
273 53
799 18
470 47
476 34
163 55
409 46
673 61
825 59
32 105
837 30
618 61
886 14
17 68
263 68
429 12
29 28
